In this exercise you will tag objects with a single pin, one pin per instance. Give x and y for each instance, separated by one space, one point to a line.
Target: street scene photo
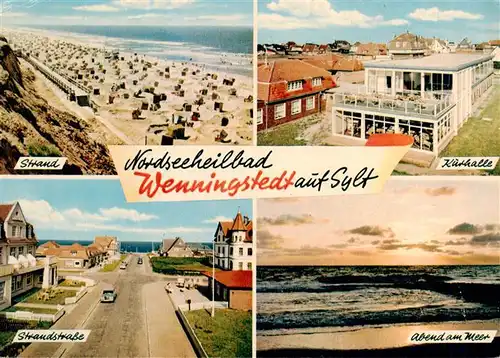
147 280
77 76
357 276
337 73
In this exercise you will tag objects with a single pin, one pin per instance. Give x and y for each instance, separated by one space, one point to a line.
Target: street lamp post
213 280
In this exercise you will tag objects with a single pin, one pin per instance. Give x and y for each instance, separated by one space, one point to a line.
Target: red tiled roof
348 64
5 210
371 49
275 74
238 223
494 42
233 279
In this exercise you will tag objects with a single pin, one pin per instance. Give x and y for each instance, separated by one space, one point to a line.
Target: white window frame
294 85
309 100
279 114
259 116
317 81
2 291
299 110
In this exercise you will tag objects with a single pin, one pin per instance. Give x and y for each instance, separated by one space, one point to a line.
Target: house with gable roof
175 248
233 244
289 90
20 271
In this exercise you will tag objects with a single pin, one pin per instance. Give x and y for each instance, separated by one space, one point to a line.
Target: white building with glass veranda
428 98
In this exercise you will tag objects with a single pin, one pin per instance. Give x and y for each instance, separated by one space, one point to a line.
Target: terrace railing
408 105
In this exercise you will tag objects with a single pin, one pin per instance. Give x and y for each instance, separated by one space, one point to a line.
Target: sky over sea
323 21
417 222
81 209
128 12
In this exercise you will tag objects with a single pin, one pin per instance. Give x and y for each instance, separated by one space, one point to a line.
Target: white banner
160 173
40 163
467 163
50 335
453 336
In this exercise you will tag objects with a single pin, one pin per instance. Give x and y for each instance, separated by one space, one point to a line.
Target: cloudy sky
128 12
323 21
410 223
80 209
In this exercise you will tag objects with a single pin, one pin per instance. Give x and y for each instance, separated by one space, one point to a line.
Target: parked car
108 294
139 260
123 266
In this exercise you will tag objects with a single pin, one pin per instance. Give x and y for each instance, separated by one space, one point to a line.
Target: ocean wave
326 318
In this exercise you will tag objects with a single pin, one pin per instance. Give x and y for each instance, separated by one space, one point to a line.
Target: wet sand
384 342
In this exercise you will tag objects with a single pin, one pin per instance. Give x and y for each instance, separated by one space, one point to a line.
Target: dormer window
317 81
73 253
294 85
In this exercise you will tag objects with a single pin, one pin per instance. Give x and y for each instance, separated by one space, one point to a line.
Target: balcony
6 270
407 105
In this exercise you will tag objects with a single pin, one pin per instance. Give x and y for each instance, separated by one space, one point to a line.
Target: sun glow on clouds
413 224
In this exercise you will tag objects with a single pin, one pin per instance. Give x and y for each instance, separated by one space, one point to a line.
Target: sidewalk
162 323
71 320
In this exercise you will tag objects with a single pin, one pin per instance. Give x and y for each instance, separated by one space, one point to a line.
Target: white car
123 266
108 294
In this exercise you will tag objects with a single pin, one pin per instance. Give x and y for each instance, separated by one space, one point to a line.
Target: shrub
38 149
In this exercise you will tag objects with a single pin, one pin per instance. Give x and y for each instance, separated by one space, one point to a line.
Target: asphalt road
118 329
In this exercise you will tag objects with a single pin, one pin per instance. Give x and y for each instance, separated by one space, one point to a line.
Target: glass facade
359 125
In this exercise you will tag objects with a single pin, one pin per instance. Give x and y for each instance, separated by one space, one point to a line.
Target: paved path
140 323
162 322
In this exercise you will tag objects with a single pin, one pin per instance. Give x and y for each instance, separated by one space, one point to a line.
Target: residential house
110 244
406 45
20 271
438 46
175 248
370 51
74 257
427 98
334 63
465 46
310 49
494 43
233 244
289 90
235 287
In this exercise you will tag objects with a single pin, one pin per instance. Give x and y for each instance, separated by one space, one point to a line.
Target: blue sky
323 21
129 12
79 209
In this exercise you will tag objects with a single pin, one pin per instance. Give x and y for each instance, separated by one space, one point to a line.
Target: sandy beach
382 337
139 99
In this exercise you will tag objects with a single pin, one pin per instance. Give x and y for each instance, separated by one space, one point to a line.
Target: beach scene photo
78 76
358 276
337 72
146 280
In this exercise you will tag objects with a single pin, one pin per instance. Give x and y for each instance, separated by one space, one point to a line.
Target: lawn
25 295
180 265
287 134
31 309
8 331
479 138
72 283
57 297
228 334
112 266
